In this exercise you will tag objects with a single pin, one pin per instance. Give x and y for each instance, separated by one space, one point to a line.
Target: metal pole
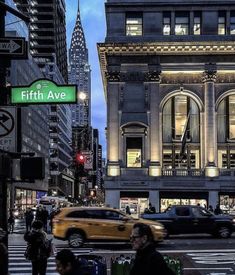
3 181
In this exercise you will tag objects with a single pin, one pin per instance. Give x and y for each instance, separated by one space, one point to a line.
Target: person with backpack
66 263
38 248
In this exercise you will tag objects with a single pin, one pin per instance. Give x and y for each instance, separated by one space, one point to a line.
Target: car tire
75 239
224 232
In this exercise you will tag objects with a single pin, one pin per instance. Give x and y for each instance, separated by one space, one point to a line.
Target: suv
81 224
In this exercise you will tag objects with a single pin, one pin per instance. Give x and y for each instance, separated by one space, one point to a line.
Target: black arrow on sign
4 118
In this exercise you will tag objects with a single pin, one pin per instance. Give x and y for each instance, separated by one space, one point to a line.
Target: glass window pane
181 25
133 157
197 26
221 25
167 122
134 26
232 117
166 25
232 29
180 115
221 122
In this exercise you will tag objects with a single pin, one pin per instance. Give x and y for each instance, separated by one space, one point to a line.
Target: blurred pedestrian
217 210
152 209
11 222
147 260
128 210
45 216
3 254
37 248
210 208
51 217
28 219
66 262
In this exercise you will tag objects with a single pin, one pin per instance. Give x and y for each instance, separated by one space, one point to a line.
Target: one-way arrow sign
13 47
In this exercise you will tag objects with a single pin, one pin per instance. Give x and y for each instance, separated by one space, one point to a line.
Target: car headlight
158 227
233 220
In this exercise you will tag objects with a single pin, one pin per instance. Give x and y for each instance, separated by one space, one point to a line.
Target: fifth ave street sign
13 47
44 91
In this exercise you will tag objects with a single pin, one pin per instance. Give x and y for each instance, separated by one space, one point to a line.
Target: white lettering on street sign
8 128
10 46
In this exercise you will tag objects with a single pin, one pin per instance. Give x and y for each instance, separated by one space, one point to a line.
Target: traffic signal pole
3 179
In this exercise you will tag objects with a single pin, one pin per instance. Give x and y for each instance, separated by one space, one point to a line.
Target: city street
200 254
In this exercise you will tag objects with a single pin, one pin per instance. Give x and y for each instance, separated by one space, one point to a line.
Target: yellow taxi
85 224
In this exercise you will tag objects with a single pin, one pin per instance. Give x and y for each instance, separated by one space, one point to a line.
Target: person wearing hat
37 250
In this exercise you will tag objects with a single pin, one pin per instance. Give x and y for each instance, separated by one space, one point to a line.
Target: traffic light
32 168
80 158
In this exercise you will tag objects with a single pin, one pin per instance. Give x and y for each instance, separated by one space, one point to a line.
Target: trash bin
91 265
121 265
174 264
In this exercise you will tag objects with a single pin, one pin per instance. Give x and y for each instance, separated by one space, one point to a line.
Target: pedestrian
210 208
45 216
152 209
128 210
28 219
11 222
51 217
37 250
217 210
147 260
3 254
66 263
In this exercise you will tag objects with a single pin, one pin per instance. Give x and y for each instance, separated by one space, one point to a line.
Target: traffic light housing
32 168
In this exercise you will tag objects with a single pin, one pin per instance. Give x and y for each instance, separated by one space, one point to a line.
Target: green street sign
44 91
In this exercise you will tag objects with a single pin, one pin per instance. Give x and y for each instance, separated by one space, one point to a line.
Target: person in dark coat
217 210
36 239
128 210
66 263
11 222
45 216
28 219
147 260
3 254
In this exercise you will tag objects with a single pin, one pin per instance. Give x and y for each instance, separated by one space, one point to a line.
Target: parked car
189 219
82 224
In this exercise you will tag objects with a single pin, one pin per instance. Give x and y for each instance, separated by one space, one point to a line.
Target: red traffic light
80 158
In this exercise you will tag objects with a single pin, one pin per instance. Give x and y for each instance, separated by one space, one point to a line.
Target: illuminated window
166 24
226 119
232 23
197 25
221 24
181 24
180 115
134 152
134 25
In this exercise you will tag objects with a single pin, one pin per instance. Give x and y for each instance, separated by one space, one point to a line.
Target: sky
94 26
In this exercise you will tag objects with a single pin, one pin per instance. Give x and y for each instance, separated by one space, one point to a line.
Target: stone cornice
163 48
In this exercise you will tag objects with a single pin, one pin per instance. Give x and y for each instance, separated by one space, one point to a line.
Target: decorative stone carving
209 76
132 76
153 76
113 76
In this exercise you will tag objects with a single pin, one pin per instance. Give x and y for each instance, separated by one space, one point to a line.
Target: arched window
181 133
226 132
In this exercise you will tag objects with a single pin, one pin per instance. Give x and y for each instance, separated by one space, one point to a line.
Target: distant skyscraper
80 74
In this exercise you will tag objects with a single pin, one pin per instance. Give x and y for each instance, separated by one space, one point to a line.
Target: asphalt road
201 254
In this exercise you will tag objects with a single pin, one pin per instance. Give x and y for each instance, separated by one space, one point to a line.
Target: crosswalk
19 265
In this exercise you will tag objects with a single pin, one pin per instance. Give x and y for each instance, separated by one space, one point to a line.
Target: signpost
13 47
44 91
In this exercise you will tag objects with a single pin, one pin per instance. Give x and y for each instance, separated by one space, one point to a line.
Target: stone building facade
168 75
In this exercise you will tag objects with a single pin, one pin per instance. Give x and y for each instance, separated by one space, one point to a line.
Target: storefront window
167 24
197 25
137 205
227 203
165 203
181 24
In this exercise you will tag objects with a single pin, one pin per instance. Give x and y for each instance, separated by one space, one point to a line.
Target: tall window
232 23
226 119
134 24
181 24
222 23
166 24
134 151
197 24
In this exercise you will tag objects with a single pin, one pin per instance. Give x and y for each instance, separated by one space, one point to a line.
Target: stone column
154 199
153 80
213 198
210 134
113 166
